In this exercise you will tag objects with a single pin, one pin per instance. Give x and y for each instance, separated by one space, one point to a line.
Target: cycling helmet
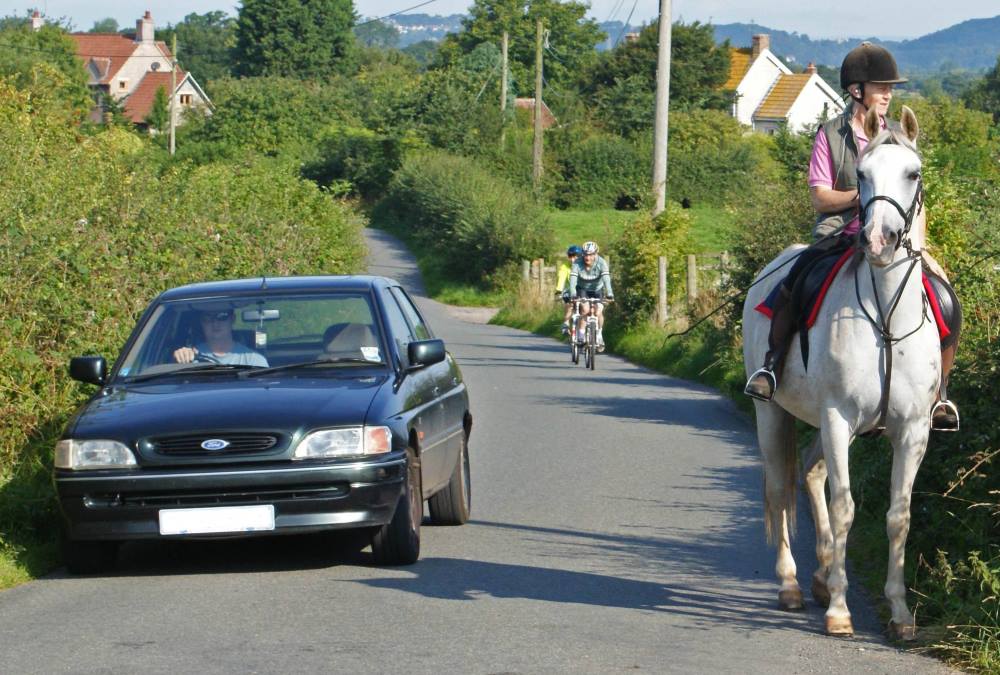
590 247
574 250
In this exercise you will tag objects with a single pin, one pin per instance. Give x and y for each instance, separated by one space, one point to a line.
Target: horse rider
562 284
868 74
590 279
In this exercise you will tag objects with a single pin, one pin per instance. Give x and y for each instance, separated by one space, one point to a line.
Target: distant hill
971 45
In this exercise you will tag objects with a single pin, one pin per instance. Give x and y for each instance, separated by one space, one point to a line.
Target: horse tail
776 519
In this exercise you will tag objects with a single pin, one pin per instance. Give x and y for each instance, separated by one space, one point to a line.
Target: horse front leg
835 436
908 451
814 468
776 435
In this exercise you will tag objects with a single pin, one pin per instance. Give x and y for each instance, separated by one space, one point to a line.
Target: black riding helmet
869 63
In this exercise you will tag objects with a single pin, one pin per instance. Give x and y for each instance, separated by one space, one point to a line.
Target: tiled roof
139 103
782 96
548 119
110 50
739 64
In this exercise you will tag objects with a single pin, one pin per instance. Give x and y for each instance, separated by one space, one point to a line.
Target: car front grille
200 498
191 445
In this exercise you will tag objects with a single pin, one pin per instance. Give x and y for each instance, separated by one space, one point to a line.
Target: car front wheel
452 505
398 541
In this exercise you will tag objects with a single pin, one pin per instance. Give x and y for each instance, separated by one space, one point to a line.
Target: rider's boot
565 328
944 414
763 383
600 340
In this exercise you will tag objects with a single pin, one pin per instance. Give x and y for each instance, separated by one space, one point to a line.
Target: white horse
874 361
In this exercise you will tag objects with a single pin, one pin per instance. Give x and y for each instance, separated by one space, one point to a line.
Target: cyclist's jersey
596 278
562 278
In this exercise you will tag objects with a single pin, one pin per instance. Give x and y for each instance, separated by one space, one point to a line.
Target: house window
185 99
122 84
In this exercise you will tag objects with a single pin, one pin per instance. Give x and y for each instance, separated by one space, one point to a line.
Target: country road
616 527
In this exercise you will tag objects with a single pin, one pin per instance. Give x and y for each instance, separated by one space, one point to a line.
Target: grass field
713 227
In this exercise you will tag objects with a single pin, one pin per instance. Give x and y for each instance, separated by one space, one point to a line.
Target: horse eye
915 175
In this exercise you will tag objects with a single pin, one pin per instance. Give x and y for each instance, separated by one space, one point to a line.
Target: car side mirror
425 353
89 369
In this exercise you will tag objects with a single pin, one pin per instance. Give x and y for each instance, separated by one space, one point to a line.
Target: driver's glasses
590 256
217 317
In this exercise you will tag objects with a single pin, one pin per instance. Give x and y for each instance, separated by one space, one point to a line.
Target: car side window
420 329
399 329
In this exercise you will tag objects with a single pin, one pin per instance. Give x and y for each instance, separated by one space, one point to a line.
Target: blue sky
886 19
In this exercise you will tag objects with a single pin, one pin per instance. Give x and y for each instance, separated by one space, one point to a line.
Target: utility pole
503 90
173 89
536 148
660 128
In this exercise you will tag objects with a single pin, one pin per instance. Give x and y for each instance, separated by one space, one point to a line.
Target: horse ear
909 122
873 124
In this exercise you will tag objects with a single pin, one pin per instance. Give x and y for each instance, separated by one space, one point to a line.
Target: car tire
398 541
89 557
452 505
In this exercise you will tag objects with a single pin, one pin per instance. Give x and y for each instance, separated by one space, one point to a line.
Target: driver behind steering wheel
219 345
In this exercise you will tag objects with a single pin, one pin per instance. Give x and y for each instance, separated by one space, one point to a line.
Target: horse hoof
839 626
790 600
902 631
820 593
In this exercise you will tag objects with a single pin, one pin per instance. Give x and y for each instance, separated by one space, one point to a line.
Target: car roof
258 285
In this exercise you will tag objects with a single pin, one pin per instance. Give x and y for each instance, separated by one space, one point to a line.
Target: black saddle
805 293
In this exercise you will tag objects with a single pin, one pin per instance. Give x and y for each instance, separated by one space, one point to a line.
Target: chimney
761 41
811 68
631 37
36 20
144 29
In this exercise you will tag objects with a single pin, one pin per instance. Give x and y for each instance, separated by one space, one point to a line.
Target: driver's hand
185 354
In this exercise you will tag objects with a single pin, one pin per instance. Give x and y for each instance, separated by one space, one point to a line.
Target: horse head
890 187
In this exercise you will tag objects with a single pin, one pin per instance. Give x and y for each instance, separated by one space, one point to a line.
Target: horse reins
884 318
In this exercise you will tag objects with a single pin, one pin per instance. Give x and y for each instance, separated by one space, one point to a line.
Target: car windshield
215 336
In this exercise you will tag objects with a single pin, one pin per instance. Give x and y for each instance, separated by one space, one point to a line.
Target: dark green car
268 406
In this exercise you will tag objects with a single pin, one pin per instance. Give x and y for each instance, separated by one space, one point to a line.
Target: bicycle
589 343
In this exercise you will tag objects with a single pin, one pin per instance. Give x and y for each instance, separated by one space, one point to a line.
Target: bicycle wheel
574 349
591 345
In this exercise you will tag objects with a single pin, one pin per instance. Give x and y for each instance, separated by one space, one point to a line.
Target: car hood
130 412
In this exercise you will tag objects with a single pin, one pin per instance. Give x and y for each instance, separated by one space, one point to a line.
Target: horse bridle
885 318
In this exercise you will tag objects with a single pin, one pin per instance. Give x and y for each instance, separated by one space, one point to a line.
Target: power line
625 27
389 16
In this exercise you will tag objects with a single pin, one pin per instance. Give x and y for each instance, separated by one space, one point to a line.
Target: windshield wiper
330 361
200 368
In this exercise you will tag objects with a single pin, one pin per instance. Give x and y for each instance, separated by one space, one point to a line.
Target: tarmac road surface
617 527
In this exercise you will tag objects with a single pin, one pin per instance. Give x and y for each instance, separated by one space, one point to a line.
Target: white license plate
217 519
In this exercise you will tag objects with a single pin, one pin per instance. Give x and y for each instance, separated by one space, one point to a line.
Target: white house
131 70
768 93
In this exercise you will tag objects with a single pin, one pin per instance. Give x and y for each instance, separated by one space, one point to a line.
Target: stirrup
945 423
772 382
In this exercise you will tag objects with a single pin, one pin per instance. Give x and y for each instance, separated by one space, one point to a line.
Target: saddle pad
814 303
808 300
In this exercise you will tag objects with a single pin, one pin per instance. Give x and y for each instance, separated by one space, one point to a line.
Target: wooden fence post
525 270
724 268
692 279
541 277
661 305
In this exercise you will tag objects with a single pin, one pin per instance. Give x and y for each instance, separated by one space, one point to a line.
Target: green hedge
89 234
473 221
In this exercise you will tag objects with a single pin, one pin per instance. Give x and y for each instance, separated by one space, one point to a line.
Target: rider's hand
185 355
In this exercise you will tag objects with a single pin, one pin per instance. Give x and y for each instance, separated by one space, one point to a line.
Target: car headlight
351 442
100 454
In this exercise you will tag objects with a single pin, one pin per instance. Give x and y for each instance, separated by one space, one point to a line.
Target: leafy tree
571 37
108 25
294 38
698 67
985 94
204 44
377 34
159 114
424 52
24 51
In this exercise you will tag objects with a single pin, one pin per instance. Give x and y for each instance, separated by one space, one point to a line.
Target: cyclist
590 278
562 284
